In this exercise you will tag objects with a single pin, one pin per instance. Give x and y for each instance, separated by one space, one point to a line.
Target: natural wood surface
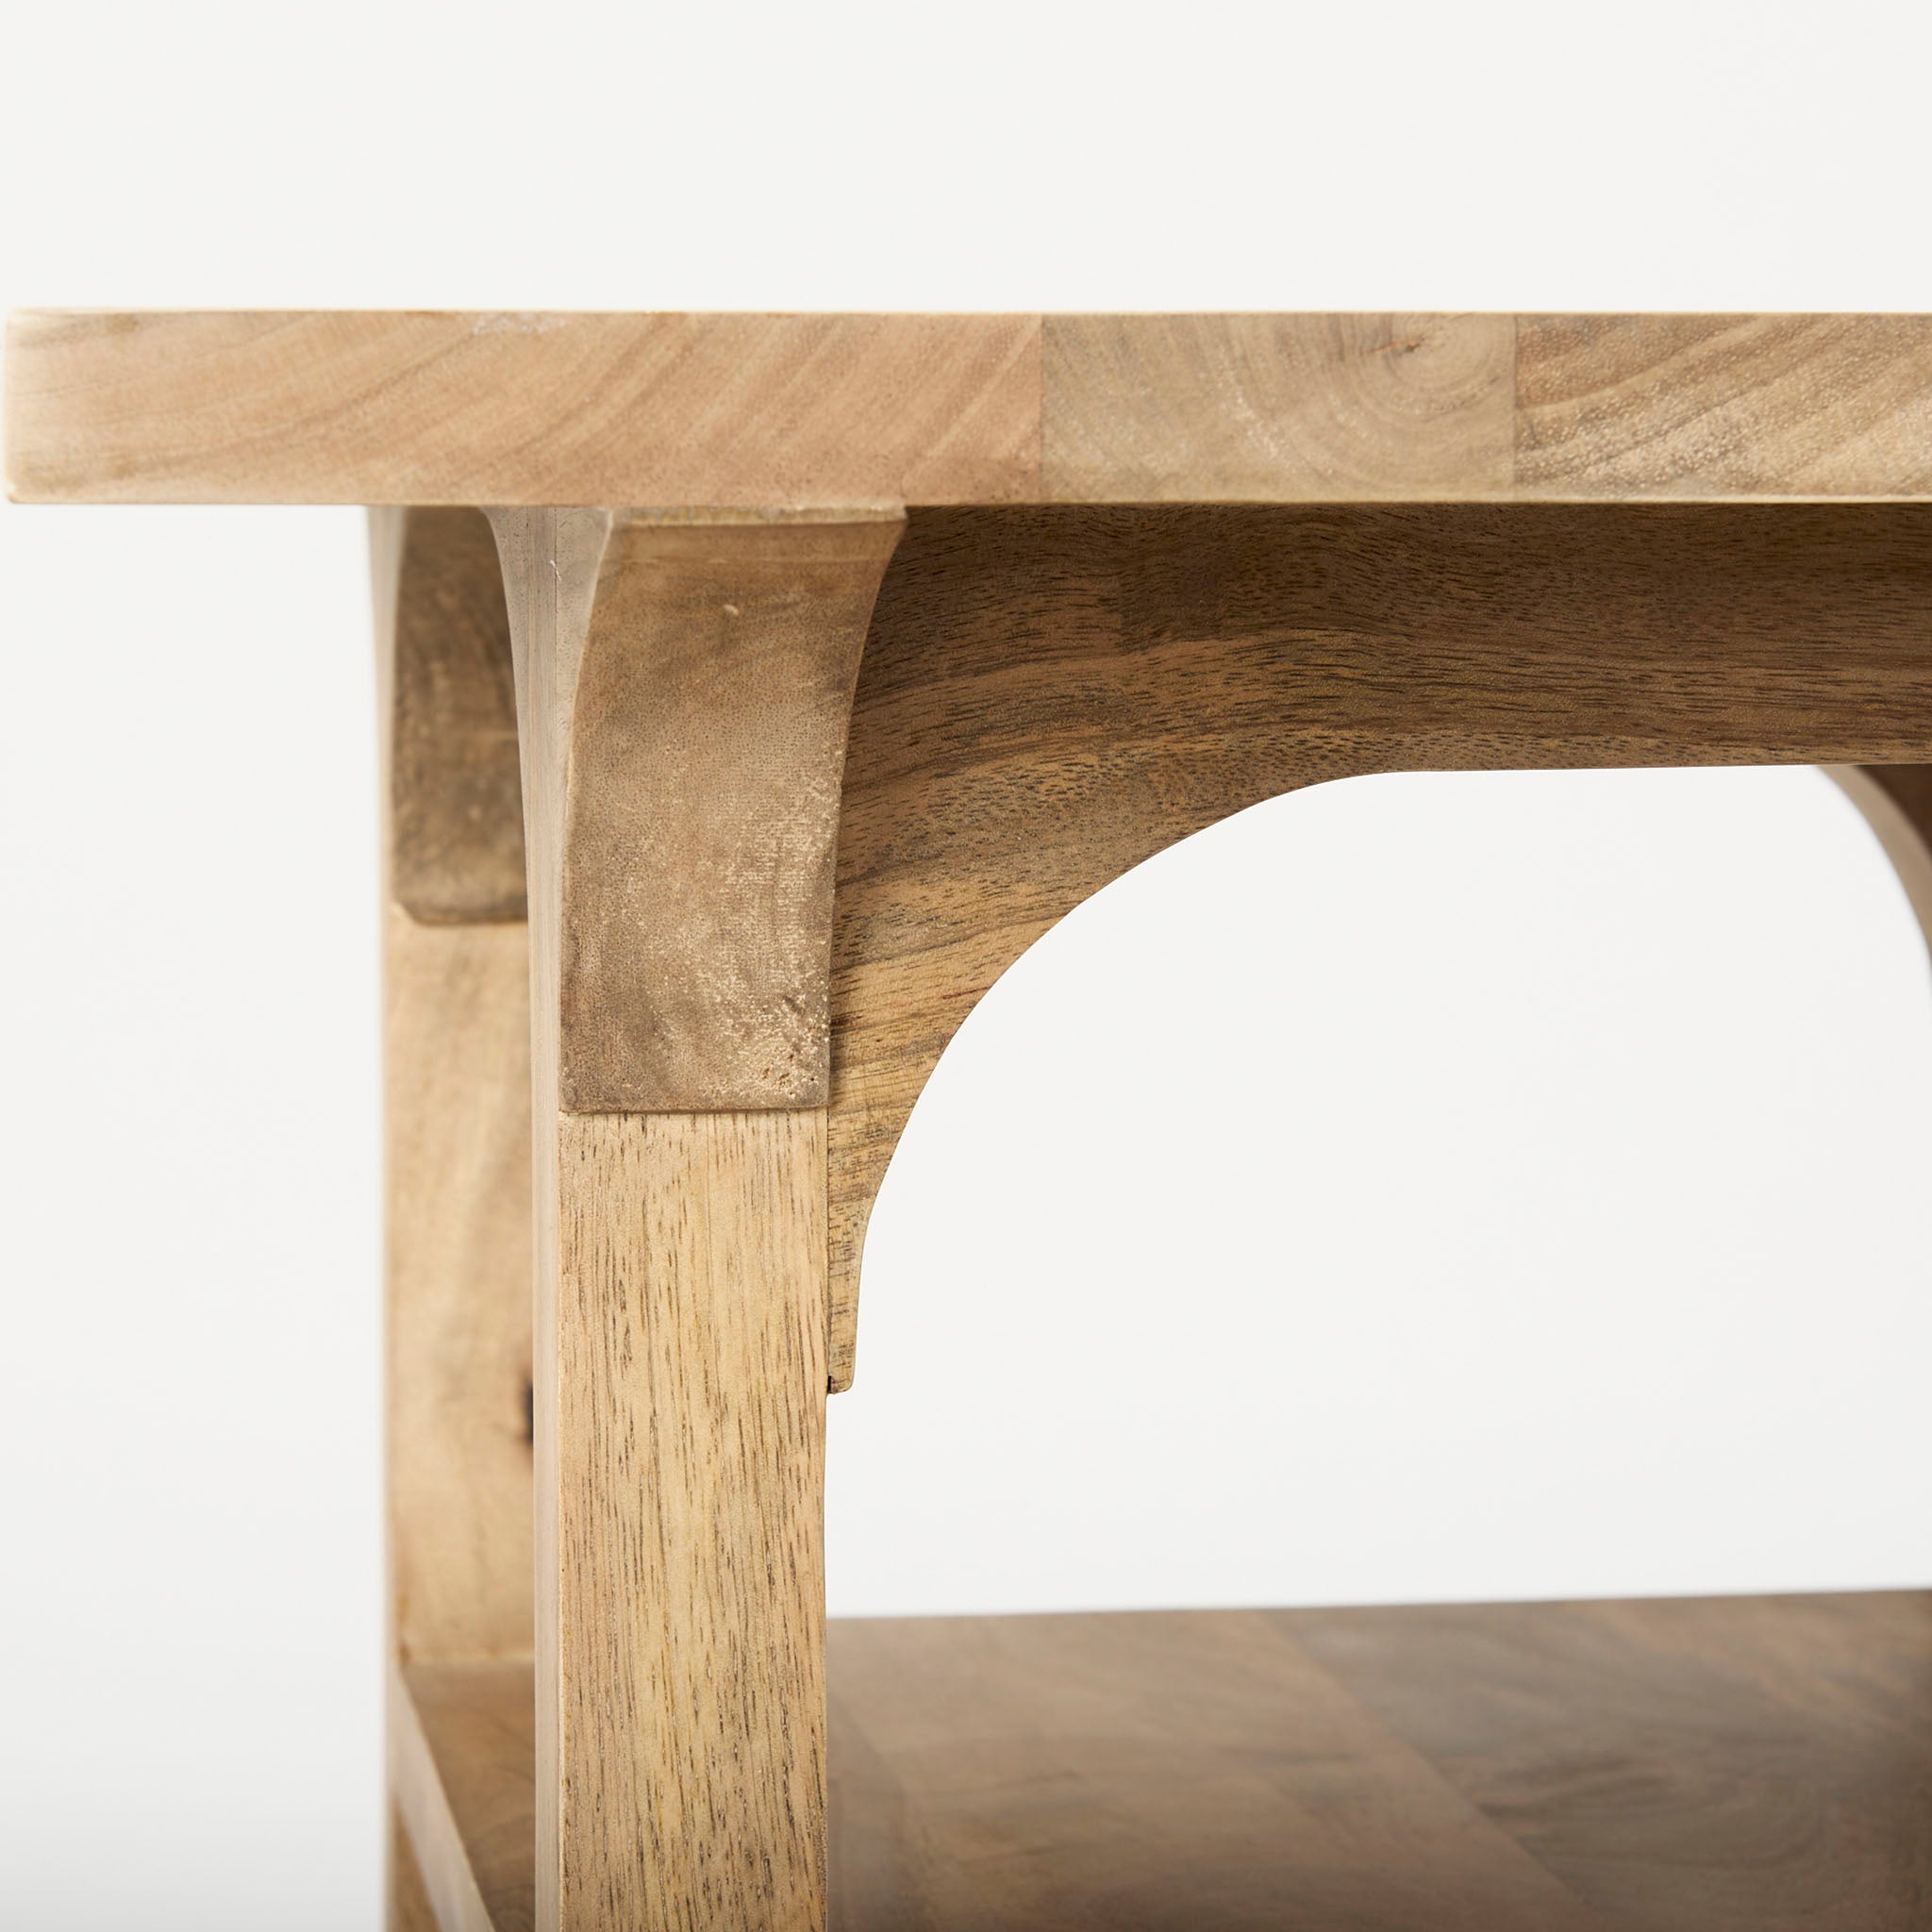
469 1778
1790 406
703 677
811 411
680 1260
1276 409
1049 696
834 411
1722 1765
458 1019
450 1856
456 789
408 1907
456 1061
1756 1763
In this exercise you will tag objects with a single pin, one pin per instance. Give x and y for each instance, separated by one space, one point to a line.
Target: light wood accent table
803 672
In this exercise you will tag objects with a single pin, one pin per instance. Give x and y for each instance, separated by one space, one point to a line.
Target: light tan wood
346 407
471 1784
458 1109
704 682
1275 408
688 1497
815 411
456 789
459 1244
1050 696
1723 1765
446 1862
408 1907
680 1309
1684 406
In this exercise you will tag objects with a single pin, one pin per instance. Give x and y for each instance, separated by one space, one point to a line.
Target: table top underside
782 413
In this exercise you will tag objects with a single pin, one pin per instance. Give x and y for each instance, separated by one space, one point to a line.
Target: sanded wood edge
1276 409
442 1860
531 409
1689 408
782 412
1896 801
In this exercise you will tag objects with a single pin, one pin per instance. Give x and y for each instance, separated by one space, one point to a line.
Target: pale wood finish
446 1860
470 1775
1051 695
1735 1765
456 1085
780 793
679 1293
1276 409
687 1495
836 412
457 1016
408 1907
1684 406
808 412
456 787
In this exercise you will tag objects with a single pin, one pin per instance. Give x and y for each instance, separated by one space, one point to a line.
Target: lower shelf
1757 1762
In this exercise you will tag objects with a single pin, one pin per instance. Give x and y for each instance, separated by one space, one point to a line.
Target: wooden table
803 672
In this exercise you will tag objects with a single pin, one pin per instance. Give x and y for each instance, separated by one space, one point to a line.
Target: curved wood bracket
688 704
1050 696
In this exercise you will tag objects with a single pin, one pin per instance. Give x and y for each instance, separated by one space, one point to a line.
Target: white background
1418 1188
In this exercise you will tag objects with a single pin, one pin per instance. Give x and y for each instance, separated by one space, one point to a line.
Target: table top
828 411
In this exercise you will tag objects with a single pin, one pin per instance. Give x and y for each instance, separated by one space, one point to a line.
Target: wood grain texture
457 1025
1275 408
1051 695
703 679
456 1085
1683 406
688 1502
839 411
1735 1765
1105 1772
456 789
346 407
680 1374
445 1861
476 1723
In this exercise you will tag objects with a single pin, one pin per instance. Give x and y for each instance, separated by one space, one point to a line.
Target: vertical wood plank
682 693
690 1497
457 1095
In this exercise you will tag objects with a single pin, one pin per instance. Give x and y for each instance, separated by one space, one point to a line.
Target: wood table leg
683 694
458 1128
